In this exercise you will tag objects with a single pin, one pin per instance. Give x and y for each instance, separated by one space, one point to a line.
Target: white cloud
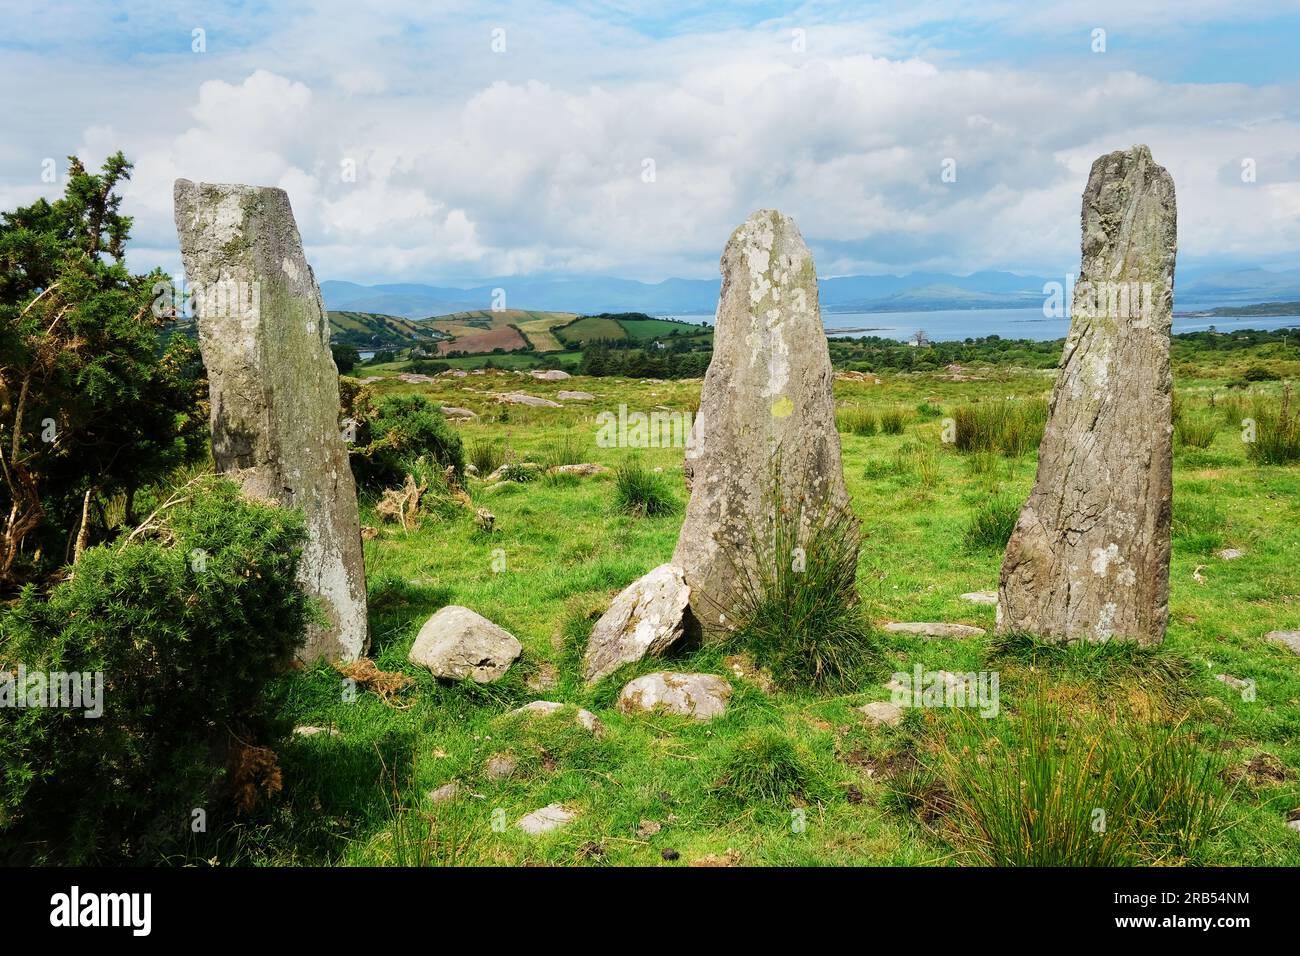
470 163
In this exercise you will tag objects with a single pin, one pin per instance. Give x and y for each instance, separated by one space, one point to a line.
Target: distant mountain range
916 292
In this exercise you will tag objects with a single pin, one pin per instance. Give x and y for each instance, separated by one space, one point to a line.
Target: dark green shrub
396 433
1190 432
187 621
487 456
766 766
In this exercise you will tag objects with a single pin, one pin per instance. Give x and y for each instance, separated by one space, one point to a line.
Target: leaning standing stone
1089 557
274 388
766 404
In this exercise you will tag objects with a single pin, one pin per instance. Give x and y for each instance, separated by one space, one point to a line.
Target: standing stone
274 388
1089 557
766 406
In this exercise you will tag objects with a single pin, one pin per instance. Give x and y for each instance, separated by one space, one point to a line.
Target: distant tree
345 357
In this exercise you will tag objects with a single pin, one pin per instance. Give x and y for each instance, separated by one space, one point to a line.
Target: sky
451 142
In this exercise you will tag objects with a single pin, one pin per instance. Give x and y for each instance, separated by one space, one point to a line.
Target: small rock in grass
880 712
521 398
548 818
1288 639
934 629
1294 825
981 597
585 718
730 858
646 618
306 731
1235 682
546 677
702 696
499 767
947 678
1231 554
457 643
445 793
648 828
566 396
583 470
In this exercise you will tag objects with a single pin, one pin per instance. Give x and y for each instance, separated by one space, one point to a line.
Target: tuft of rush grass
765 766
486 456
857 420
798 609
640 491
1277 432
1055 788
1195 432
893 421
566 451
1010 427
1107 666
991 526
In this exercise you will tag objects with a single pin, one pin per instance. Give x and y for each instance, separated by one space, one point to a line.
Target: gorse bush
395 433
187 620
797 606
1010 428
1276 432
992 524
83 352
642 492
857 420
1063 789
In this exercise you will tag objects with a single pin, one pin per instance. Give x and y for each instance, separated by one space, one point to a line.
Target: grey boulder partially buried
701 696
647 617
458 644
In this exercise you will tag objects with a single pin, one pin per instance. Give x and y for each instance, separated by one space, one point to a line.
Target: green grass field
589 328
854 794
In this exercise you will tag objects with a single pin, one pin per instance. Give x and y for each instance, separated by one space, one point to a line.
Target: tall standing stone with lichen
274 388
1089 557
766 424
